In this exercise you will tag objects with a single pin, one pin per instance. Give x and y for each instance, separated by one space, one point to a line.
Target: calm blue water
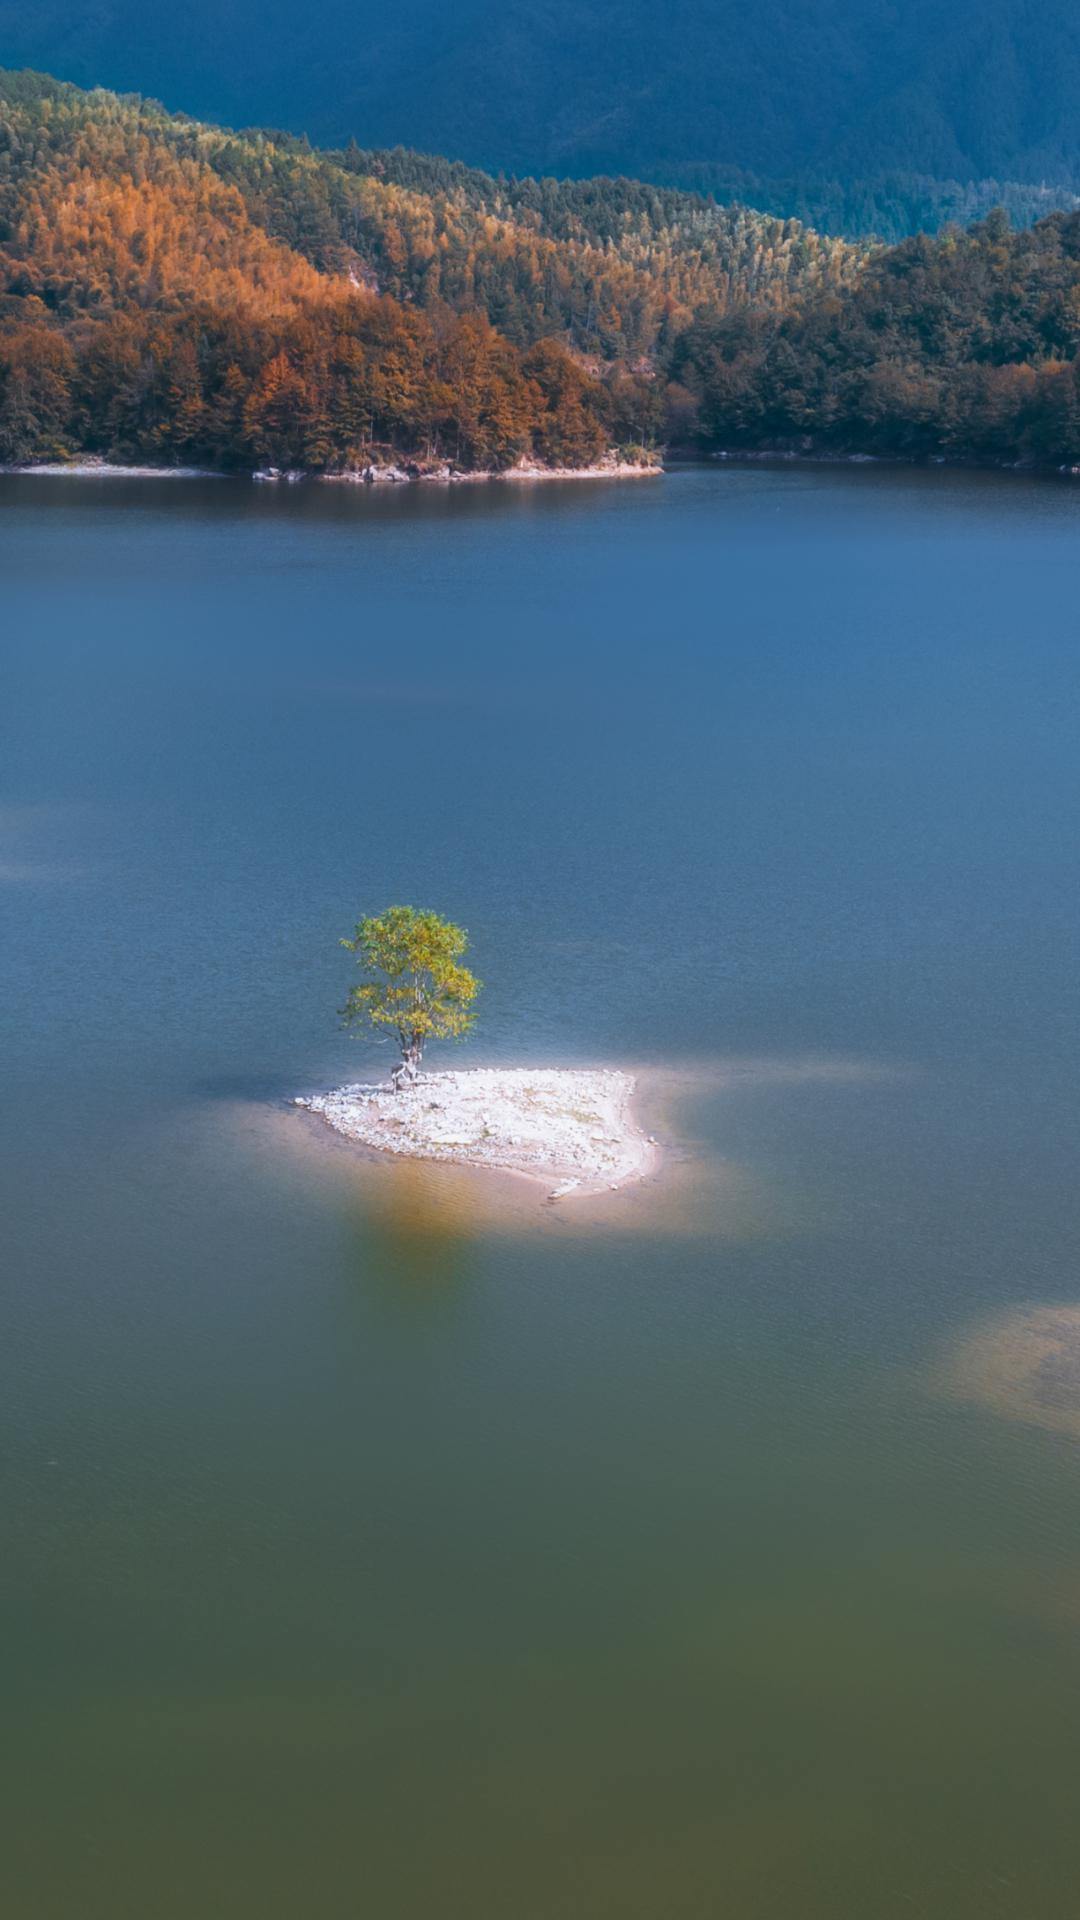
377 1546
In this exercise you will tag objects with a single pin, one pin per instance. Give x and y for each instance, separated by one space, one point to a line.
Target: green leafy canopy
415 982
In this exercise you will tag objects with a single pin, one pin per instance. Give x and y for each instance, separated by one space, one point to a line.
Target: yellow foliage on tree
416 984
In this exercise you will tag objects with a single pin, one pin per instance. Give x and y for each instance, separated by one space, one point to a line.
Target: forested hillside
890 206
859 116
617 266
173 291
146 313
962 346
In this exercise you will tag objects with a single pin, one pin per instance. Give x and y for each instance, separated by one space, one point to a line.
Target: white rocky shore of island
572 1128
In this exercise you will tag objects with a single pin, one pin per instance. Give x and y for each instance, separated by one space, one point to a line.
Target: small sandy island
573 1129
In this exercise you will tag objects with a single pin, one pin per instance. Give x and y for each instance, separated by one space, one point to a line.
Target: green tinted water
379 1541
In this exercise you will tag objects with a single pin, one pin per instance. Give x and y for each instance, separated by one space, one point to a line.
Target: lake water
378 1540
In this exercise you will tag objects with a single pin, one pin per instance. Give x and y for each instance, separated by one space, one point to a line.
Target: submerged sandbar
573 1128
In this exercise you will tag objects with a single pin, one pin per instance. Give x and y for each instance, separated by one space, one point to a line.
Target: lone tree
415 984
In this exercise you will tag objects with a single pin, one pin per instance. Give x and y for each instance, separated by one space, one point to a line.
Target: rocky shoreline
611 467
110 470
574 1129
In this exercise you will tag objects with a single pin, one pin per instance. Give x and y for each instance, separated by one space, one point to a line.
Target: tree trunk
408 1073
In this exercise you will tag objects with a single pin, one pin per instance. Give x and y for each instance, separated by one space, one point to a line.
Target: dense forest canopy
615 265
857 116
154 305
962 346
171 290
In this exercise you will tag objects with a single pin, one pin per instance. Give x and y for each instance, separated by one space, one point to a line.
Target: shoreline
573 1130
679 457
110 470
411 474
610 468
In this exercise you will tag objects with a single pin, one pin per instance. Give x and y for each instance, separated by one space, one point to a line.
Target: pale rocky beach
572 1128
610 467
92 468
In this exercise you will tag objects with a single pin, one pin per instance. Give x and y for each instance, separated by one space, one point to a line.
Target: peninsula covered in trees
177 294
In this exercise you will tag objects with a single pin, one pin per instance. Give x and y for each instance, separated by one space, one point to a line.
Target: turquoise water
377 1540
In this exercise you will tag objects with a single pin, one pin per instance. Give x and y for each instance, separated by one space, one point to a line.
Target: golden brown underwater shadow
408 1232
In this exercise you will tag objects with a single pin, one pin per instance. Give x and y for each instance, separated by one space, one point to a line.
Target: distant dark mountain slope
859 111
